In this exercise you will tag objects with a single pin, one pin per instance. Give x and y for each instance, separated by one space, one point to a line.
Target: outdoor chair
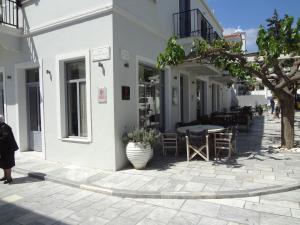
225 141
197 144
170 142
204 120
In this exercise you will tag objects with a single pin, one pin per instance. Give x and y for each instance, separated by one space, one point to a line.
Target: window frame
77 82
61 82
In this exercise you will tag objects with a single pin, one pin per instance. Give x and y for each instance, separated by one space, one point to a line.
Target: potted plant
259 109
139 146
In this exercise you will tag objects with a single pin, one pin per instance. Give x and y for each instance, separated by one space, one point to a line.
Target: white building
74 75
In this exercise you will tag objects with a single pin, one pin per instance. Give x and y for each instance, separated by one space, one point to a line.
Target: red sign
102 95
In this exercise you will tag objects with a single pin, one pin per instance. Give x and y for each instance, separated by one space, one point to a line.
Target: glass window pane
32 75
33 98
83 112
72 109
75 70
149 97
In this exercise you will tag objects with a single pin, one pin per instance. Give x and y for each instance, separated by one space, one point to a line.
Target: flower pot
138 154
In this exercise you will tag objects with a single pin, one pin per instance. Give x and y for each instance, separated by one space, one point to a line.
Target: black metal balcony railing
192 23
9 12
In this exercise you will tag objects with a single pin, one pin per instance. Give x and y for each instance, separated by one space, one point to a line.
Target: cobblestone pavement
257 167
33 202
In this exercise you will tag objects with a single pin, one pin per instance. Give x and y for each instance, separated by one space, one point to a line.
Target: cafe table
198 128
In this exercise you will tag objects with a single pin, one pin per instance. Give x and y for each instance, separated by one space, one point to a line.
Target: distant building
237 36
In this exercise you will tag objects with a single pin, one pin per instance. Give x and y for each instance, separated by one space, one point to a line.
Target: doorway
201 98
184 99
185 18
33 100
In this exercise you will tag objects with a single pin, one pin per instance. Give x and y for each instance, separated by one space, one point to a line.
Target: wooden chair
169 142
225 141
197 144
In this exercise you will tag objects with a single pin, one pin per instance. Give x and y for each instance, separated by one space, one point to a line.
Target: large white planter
138 154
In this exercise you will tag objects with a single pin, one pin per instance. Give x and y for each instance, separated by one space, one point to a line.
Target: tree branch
284 84
295 68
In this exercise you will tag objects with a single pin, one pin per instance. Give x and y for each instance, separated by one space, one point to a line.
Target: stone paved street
33 202
258 167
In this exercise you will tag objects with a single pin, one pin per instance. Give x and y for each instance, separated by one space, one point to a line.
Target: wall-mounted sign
125 93
101 54
102 95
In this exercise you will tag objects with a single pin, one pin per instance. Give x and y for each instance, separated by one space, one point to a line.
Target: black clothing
8 146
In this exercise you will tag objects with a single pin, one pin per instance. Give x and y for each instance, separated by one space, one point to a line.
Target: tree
276 64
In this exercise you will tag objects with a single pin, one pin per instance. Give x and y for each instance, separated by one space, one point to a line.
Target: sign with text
102 95
101 54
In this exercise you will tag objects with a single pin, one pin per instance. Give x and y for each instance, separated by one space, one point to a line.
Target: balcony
9 13
192 23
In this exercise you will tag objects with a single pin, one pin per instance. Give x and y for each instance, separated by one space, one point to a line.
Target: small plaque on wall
101 54
102 95
125 93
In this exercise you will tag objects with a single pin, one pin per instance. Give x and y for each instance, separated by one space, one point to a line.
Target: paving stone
110 213
167 203
11 198
295 213
271 219
230 202
162 215
184 218
212 221
193 187
122 221
149 222
269 208
138 212
201 208
238 215
95 220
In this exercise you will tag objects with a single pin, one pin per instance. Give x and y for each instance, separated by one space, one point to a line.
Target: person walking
8 146
277 109
272 102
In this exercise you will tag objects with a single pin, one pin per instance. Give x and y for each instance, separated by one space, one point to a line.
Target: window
76 99
150 97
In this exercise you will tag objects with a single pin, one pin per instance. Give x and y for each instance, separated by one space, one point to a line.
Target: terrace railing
9 12
192 23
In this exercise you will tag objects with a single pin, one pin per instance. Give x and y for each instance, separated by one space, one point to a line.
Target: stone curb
162 195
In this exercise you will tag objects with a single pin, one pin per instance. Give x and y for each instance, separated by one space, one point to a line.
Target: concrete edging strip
163 195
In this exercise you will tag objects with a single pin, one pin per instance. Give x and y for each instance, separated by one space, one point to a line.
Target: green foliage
173 55
280 37
144 136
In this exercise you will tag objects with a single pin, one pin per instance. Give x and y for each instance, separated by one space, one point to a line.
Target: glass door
185 18
150 98
34 110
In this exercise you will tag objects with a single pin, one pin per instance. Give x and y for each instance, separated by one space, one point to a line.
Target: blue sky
249 14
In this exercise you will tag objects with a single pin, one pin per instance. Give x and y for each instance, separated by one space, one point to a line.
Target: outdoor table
198 128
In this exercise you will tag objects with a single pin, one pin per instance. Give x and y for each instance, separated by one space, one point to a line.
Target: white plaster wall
40 12
202 5
143 45
158 15
100 152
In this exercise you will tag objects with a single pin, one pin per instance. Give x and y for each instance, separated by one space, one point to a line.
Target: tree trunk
287 106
